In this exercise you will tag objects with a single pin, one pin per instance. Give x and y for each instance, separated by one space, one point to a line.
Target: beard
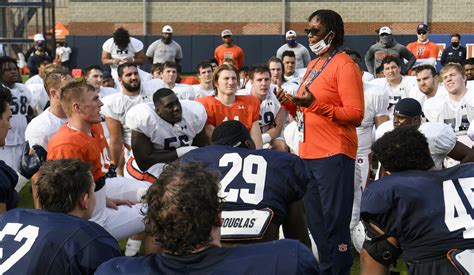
131 88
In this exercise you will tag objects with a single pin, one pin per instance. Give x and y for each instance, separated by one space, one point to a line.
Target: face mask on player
386 40
321 47
291 43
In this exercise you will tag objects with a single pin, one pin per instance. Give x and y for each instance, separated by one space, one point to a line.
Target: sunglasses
226 36
421 32
312 31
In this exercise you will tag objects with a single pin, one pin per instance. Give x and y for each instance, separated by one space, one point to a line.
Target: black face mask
455 44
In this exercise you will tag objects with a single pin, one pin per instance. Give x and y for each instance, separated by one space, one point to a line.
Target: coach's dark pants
334 181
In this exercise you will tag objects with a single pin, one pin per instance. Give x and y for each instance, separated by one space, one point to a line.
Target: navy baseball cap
422 27
408 107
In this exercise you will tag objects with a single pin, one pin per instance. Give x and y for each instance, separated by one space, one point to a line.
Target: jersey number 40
254 171
456 214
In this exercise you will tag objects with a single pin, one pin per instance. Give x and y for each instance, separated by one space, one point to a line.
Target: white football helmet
358 236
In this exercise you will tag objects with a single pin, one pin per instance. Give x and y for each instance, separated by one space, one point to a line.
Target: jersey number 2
249 174
30 233
456 214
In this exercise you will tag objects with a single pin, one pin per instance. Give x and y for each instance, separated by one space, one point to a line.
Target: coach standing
328 107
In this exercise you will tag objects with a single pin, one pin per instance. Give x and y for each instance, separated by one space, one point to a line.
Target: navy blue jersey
277 257
8 180
40 242
255 179
429 212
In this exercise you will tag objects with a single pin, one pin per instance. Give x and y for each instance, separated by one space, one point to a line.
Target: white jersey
144 119
199 91
470 85
152 85
40 130
21 101
132 48
269 107
184 91
456 114
64 53
105 91
117 105
415 93
366 76
296 78
290 87
398 92
164 136
36 79
40 97
376 104
441 139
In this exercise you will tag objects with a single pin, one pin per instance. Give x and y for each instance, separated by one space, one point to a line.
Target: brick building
89 17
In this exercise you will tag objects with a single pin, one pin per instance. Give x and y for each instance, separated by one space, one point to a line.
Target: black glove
31 163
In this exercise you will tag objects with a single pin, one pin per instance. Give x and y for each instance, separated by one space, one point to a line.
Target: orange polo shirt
330 122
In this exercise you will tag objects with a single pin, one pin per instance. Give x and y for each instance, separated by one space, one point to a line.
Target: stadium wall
258 48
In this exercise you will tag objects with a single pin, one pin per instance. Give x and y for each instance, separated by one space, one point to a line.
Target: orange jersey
190 80
68 143
234 52
330 121
245 109
423 50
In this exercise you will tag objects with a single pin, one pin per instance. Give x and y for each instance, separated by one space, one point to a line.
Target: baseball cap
422 27
408 107
385 29
226 32
290 33
167 29
38 37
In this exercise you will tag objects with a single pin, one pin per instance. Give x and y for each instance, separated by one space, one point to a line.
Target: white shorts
124 221
11 155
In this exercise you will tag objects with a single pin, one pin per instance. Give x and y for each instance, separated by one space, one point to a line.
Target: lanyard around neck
315 73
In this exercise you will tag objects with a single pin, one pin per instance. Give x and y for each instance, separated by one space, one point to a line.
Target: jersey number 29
251 176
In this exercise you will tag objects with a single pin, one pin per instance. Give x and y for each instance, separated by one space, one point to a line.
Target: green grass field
26 201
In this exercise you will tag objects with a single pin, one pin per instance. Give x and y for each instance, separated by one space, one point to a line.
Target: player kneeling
57 239
422 215
184 218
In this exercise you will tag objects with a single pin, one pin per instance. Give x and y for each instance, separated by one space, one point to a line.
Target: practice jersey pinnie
277 257
40 242
144 119
429 212
255 179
